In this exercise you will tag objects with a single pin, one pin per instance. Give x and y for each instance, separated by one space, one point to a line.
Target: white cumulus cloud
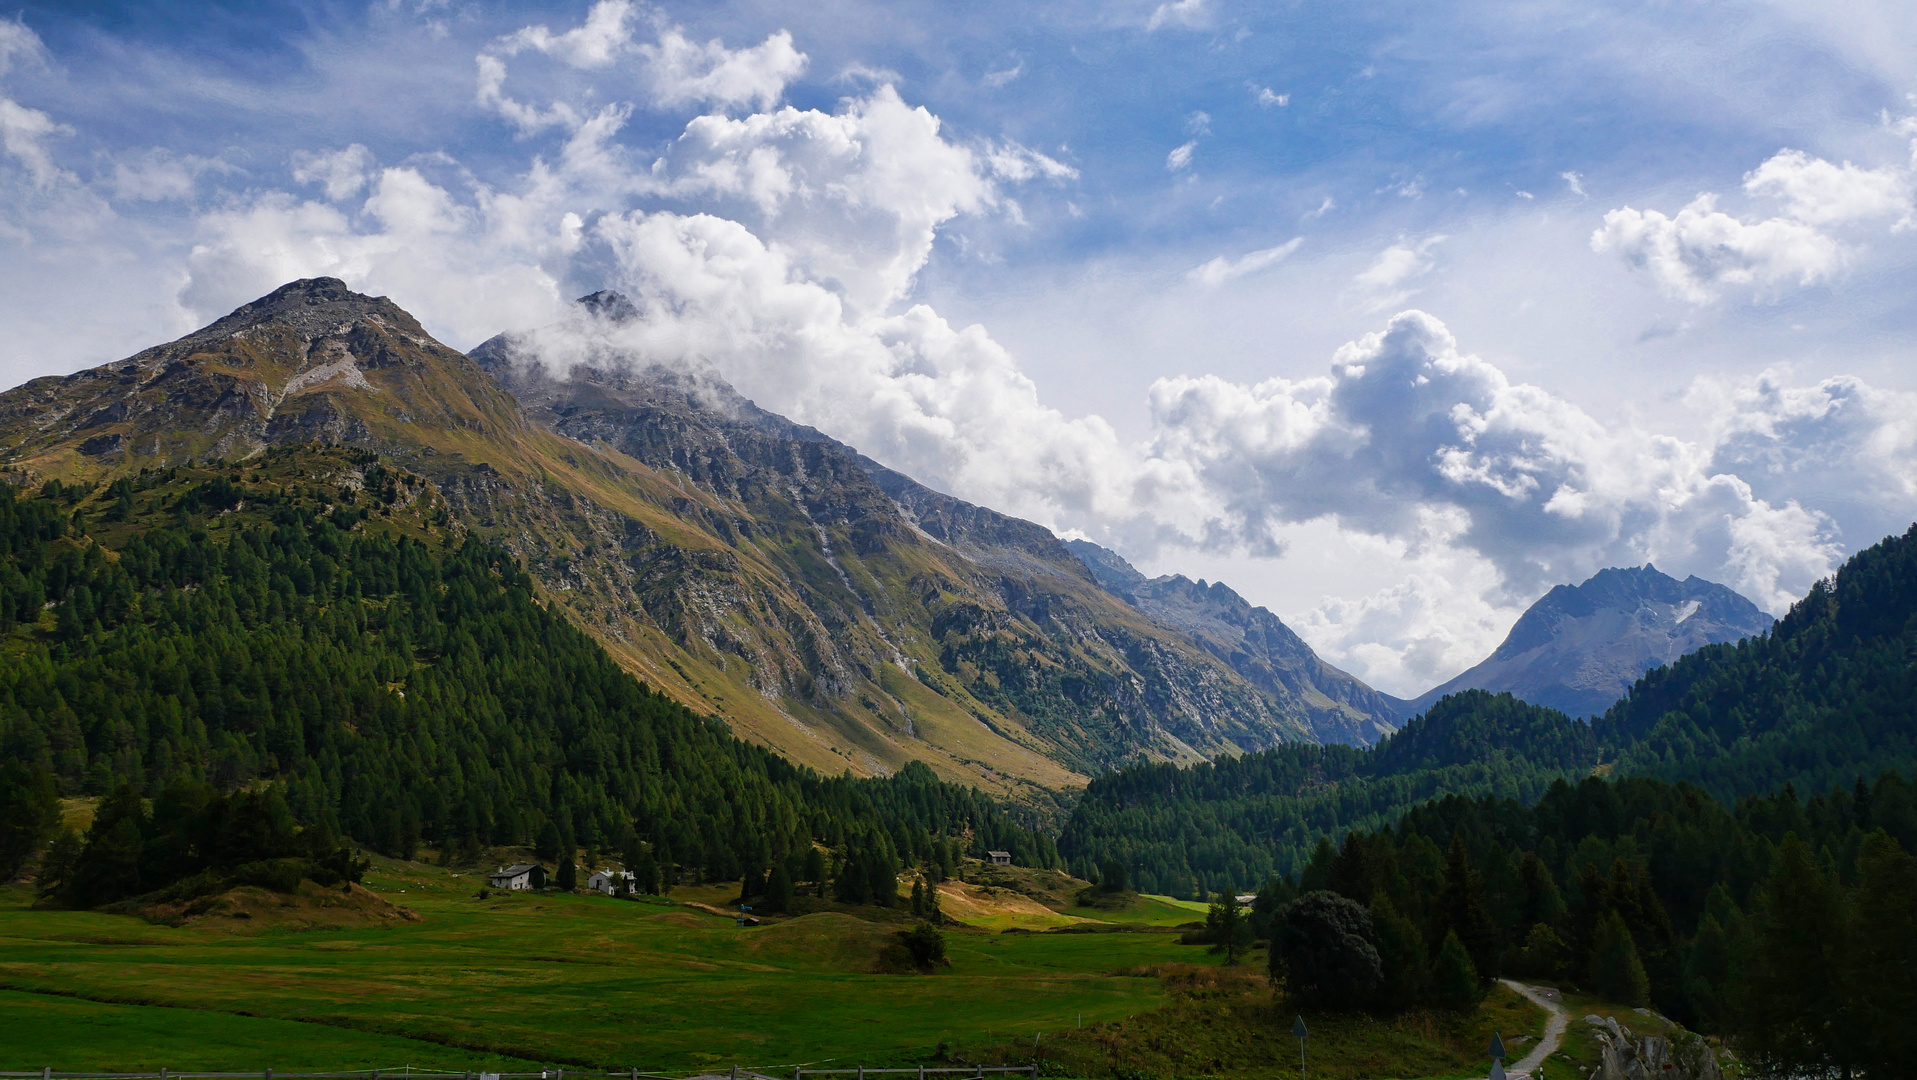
1702 252
675 70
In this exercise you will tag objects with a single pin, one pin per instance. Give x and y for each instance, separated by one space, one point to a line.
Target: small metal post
269 1074
921 1071
46 1073
735 1072
861 1072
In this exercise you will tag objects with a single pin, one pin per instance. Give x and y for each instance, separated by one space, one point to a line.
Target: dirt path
1553 1028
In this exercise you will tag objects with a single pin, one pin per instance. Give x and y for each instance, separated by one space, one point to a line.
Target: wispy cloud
1223 269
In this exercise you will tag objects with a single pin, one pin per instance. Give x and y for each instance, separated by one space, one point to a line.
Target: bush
1544 955
278 875
926 946
1324 950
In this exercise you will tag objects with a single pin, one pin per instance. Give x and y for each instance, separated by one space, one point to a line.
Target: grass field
566 980
517 981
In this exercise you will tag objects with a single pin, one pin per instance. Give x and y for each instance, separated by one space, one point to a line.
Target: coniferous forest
1783 921
398 691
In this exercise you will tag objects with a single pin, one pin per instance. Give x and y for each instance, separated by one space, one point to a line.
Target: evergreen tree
815 868
1882 983
1404 970
1792 982
29 813
58 864
1462 910
644 869
1112 877
933 913
1228 928
568 876
1615 972
546 846
1457 984
778 890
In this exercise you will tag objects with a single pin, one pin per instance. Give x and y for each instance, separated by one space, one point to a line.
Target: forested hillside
401 685
1783 923
1828 696
1234 822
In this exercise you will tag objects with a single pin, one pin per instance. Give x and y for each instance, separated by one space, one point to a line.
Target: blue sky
1390 315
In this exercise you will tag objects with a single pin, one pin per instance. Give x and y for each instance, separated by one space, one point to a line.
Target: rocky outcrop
1626 1056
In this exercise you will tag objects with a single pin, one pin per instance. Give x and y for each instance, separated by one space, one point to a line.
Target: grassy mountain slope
749 568
988 612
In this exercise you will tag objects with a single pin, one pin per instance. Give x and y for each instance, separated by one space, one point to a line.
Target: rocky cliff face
1254 642
1580 647
749 566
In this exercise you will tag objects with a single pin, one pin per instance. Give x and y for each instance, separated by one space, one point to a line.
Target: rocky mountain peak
1580 647
610 305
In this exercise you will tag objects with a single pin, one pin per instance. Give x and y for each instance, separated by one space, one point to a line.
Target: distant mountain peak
1580 647
609 305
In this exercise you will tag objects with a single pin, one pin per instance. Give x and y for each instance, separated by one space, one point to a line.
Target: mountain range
748 566
759 571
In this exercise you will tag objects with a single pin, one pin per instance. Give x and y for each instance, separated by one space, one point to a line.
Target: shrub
926 946
1324 950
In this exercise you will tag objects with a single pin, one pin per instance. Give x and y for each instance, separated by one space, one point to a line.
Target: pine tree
1882 982
568 879
1405 970
1615 971
1226 925
1462 910
778 890
29 812
1456 981
1790 988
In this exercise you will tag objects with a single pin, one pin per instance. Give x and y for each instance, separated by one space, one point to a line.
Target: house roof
999 854
515 869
